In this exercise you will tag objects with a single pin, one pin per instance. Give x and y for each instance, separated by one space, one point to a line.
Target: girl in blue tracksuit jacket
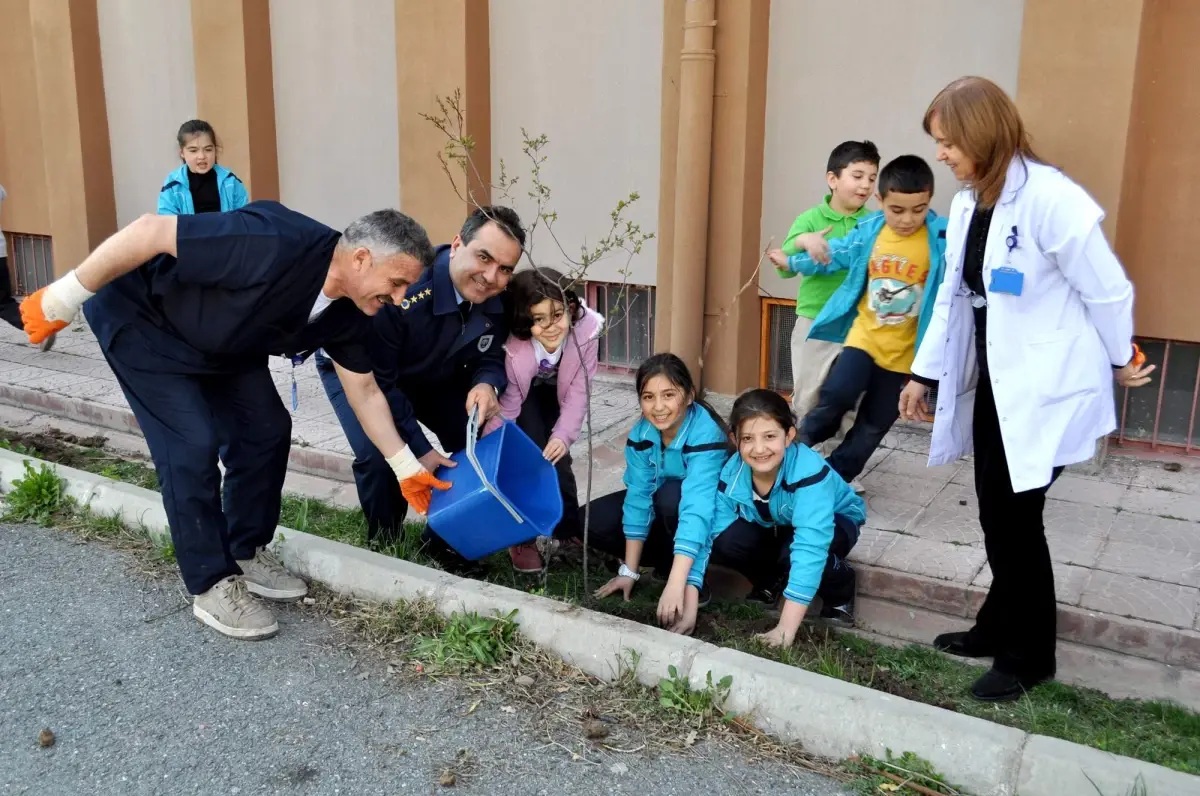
200 185
673 459
784 519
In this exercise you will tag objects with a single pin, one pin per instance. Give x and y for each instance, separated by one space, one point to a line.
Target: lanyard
297 359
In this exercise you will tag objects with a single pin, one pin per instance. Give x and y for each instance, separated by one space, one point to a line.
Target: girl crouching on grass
550 358
673 459
784 520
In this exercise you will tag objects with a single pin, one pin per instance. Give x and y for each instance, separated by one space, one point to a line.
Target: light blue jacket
175 198
806 496
853 253
695 457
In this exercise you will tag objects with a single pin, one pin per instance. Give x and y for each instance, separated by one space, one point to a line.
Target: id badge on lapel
1007 281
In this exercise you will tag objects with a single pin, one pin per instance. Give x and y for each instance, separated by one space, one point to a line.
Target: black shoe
998 686
962 645
449 560
839 615
766 597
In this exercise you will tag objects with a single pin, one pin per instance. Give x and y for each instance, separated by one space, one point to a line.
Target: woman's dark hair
673 369
196 127
761 403
535 286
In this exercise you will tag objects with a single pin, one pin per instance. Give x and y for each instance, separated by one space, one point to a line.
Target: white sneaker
228 608
266 577
858 488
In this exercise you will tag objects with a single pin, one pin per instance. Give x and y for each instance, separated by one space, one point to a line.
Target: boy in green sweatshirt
852 169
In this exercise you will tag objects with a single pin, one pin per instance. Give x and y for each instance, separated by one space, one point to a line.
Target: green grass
1158 732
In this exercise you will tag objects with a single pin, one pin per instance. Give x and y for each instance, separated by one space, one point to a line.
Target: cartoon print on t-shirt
893 301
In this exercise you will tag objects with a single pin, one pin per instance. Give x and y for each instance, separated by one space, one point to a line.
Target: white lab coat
1051 349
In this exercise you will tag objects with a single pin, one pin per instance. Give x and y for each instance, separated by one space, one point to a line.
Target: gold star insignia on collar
408 302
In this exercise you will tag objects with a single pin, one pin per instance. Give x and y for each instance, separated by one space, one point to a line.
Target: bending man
187 310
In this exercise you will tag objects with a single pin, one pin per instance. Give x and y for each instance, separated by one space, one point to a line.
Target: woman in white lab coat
1030 326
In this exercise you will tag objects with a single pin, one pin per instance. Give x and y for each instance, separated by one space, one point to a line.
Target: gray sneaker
228 608
266 577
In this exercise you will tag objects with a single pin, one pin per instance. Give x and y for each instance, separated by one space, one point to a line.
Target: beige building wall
831 79
587 75
150 89
335 107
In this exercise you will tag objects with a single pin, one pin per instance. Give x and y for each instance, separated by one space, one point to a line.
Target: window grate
31 262
1164 414
775 352
628 312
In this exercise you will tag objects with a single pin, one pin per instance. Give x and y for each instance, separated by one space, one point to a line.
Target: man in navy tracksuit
187 310
437 353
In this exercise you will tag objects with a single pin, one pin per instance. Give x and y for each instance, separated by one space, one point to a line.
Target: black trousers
763 556
538 415
185 413
854 374
1018 619
10 311
606 532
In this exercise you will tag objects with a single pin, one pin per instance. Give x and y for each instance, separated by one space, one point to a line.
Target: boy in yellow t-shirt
896 260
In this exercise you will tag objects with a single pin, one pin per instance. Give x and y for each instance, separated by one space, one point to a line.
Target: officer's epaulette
409 301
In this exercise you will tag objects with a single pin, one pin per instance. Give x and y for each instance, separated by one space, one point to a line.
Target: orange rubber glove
416 483
33 318
418 490
49 310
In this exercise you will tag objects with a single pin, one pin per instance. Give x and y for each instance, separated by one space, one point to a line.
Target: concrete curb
830 717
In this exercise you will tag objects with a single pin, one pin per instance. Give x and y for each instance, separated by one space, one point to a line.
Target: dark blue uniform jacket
241 287
427 349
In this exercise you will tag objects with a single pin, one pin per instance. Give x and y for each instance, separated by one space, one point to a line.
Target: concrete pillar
441 48
235 90
672 45
22 163
73 123
731 325
1075 89
693 164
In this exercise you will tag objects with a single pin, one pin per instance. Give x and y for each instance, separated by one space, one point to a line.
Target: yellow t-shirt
886 326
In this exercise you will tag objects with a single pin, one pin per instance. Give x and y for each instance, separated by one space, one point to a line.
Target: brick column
731 327
235 90
442 47
73 122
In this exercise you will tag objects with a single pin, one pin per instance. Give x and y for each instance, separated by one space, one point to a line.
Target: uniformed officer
436 354
187 310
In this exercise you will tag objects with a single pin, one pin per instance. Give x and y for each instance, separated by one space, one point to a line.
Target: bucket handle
472 433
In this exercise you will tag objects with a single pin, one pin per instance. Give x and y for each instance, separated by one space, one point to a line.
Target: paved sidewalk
1125 539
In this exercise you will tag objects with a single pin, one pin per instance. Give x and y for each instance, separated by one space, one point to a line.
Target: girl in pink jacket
550 358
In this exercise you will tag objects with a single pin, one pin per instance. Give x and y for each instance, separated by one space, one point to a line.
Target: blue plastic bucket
503 493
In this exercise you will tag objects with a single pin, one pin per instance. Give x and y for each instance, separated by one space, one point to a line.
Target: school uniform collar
829 214
447 299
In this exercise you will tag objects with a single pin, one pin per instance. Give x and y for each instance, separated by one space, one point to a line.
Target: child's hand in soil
687 619
776 638
617 584
671 604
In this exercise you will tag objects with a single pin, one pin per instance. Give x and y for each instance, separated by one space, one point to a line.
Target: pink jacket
520 363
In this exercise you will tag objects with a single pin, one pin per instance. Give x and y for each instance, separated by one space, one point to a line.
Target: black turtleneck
205 196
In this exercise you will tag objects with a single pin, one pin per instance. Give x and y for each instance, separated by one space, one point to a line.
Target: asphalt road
144 700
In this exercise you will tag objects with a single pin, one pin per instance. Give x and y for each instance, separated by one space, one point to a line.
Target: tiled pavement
1125 540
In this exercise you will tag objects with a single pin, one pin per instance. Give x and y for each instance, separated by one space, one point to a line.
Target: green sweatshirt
815 290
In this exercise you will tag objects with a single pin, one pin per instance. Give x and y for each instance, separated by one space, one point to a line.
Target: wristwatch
626 572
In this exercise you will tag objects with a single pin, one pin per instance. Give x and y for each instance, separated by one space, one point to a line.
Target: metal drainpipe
693 165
